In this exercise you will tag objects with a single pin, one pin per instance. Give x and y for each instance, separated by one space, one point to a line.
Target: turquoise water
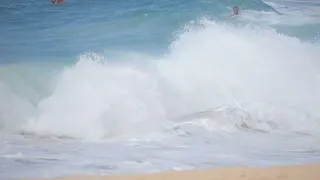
113 87
38 31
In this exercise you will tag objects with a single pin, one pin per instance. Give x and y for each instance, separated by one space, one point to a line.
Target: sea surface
123 87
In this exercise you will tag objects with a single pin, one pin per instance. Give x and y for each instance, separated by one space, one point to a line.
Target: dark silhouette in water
256 5
235 11
57 1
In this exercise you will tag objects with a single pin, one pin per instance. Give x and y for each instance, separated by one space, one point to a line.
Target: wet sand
294 172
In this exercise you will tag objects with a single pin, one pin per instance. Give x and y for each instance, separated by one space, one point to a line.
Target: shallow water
113 87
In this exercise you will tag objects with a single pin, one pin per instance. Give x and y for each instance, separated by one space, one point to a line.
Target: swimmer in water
57 1
235 12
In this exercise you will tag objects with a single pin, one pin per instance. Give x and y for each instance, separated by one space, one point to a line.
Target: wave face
157 78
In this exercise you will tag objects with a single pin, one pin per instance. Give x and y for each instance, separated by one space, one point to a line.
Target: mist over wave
229 77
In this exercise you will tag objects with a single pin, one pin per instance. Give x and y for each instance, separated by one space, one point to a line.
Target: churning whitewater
250 70
155 81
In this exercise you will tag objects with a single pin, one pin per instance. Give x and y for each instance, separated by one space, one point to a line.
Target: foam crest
222 64
209 65
93 99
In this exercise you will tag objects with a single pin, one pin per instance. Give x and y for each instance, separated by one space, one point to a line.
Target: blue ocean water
113 87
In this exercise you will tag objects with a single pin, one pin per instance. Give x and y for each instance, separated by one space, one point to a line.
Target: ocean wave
209 65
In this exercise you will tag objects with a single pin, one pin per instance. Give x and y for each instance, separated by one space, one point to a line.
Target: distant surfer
57 1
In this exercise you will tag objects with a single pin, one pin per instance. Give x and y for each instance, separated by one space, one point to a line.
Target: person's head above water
235 10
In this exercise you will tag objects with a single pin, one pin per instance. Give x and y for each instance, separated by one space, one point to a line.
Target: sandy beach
295 172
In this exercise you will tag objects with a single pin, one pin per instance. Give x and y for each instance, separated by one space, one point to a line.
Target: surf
272 76
158 85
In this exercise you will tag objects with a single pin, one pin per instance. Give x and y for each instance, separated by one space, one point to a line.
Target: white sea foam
271 80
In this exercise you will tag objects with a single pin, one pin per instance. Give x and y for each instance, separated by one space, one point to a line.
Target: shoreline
286 172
